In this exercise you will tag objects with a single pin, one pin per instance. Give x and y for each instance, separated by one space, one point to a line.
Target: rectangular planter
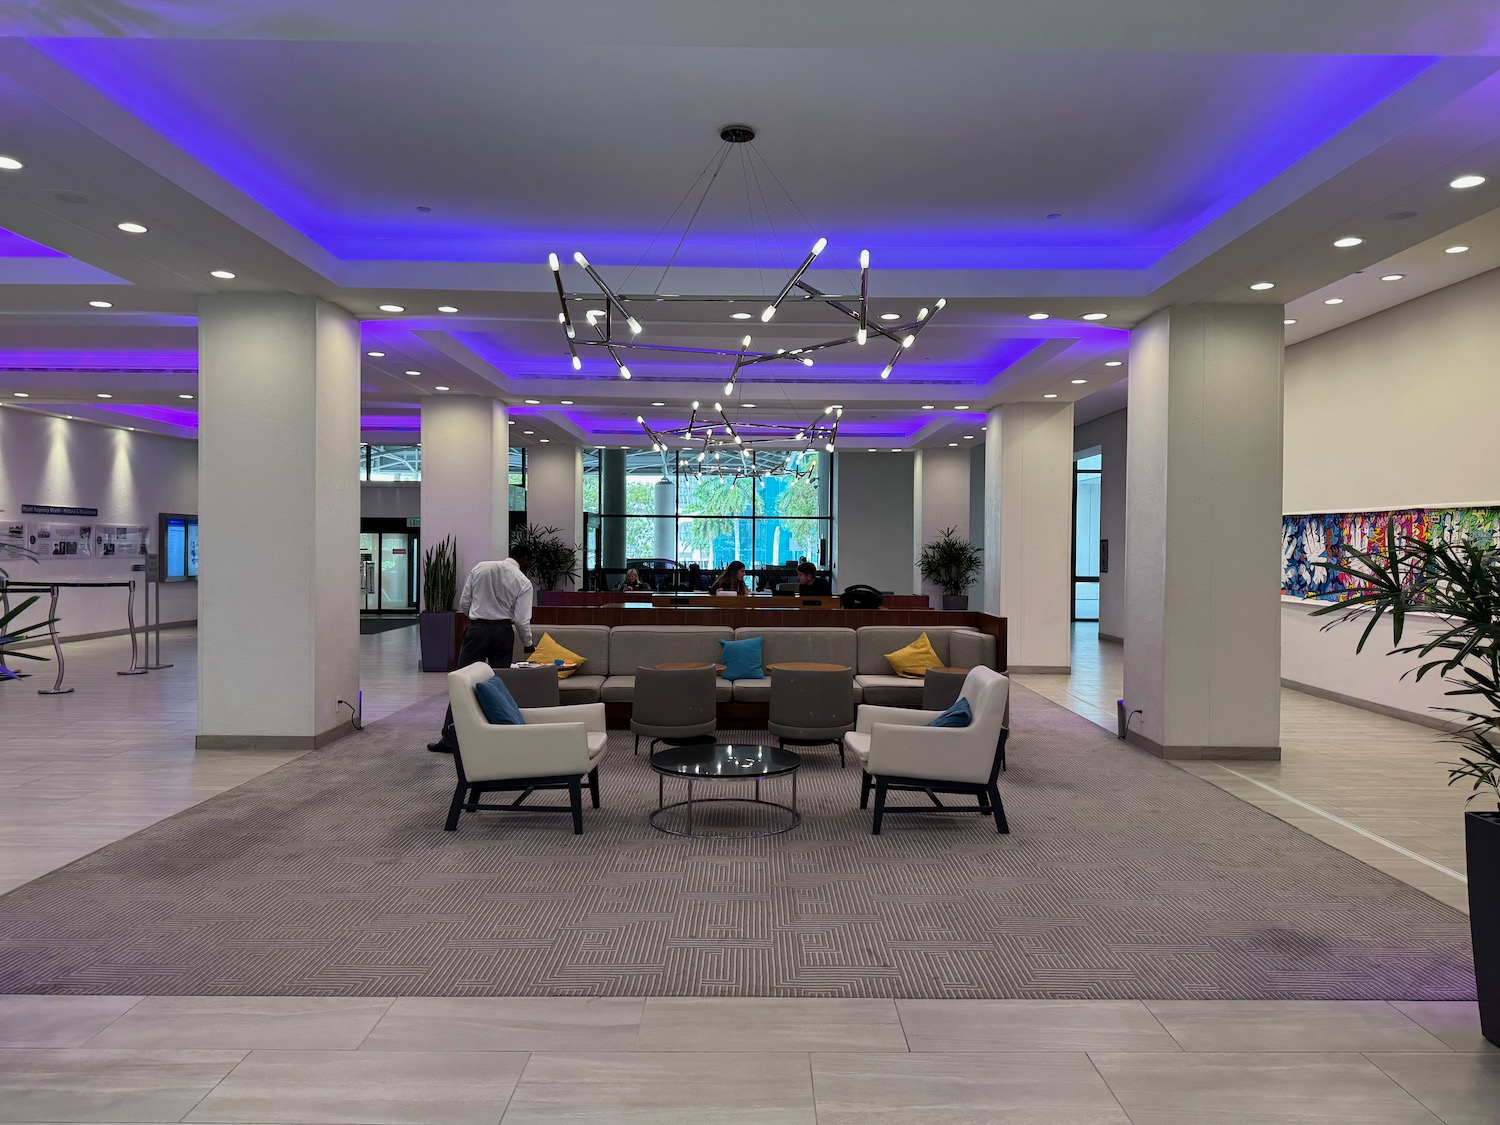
1482 847
440 635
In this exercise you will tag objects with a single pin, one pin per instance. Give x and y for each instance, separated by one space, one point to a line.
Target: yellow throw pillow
547 650
913 660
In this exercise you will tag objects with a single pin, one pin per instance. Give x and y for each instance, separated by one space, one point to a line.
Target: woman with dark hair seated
732 581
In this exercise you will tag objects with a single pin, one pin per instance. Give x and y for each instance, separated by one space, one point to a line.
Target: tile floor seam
1103 1078
379 1020
112 1022
222 1079
510 1097
1401 1085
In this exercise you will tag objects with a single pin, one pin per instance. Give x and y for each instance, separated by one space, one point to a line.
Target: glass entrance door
398 588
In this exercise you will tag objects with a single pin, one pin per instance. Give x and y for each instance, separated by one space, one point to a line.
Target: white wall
130 477
874 544
940 491
390 499
1394 411
1108 433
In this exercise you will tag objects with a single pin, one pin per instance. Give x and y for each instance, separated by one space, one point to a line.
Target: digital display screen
179 548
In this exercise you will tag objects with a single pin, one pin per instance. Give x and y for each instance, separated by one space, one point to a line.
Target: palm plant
950 562
1458 583
552 560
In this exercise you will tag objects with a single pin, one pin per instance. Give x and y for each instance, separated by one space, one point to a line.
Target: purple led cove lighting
14 246
166 415
410 422
32 360
1230 123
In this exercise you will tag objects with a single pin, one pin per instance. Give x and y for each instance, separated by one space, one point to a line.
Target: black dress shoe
439 748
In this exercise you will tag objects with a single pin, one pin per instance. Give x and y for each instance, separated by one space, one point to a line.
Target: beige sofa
613 655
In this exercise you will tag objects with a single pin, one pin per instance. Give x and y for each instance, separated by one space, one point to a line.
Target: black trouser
490 641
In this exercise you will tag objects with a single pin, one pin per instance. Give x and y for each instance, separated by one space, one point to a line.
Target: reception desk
721 602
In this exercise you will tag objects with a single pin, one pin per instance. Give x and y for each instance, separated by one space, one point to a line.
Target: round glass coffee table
710 761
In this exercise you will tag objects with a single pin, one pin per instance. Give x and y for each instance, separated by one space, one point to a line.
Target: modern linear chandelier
753 448
624 307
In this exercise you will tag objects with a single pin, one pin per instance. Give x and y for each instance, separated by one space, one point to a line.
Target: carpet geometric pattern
1123 877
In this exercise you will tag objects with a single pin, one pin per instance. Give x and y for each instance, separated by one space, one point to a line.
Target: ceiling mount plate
737 134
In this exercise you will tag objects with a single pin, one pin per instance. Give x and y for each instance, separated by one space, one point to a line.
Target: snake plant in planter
951 563
438 628
1458 585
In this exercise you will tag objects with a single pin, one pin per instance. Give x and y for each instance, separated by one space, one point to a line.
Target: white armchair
898 750
557 749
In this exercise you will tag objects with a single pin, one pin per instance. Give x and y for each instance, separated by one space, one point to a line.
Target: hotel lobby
1108 302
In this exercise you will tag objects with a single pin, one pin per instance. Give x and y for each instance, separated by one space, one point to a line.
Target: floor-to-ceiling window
1087 470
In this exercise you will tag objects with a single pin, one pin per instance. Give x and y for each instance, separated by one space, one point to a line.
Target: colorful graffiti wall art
1312 547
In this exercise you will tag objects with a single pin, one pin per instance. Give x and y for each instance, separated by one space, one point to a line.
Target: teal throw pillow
497 703
742 659
959 715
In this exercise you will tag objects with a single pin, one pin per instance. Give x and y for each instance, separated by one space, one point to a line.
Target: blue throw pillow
742 659
959 715
498 705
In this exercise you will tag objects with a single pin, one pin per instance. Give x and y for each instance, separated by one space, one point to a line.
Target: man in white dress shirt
497 598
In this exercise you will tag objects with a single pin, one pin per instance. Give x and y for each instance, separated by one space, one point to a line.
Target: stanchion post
135 668
153 593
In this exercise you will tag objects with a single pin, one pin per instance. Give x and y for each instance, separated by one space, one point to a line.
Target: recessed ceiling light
1260 285
546 440
658 404
533 402
1345 243
1393 277
131 228
1094 316
1288 322
1114 363
448 308
414 373
11 164
869 451
1456 250
1460 183
510 423
1334 301
566 401
890 316
953 445
1075 382
101 305
392 308
69 417
22 394
376 355
961 406
440 388
1038 316
739 316
101 394
1049 396
226 275
185 396
928 408
528 433
130 428
748 405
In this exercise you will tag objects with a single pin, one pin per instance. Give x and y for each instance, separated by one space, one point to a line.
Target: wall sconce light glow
1393 277
1260 286
1461 183
11 164
222 275
1345 243
1334 301
1114 363
1095 316
131 228
447 308
1456 250
393 308
1038 316
100 305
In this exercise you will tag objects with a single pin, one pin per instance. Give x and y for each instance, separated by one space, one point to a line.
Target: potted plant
1457 583
438 626
552 560
952 564
11 631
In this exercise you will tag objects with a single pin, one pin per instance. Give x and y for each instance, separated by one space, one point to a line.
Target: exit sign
413 521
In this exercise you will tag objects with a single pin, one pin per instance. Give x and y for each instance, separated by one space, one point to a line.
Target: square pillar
1203 549
940 500
554 491
466 478
1028 531
278 490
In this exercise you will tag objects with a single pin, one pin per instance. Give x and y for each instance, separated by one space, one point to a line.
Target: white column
1028 531
278 402
1203 503
664 530
554 490
466 477
940 500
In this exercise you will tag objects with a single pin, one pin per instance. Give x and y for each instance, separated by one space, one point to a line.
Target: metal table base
655 819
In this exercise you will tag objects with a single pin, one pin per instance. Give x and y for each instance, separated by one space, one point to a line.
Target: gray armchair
810 708
675 703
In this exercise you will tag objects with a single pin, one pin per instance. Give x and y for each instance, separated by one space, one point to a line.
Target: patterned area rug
1123 877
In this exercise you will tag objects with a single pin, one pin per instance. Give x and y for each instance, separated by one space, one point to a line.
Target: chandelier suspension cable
760 268
810 228
667 221
693 218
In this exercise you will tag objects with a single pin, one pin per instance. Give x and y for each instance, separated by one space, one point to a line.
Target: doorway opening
1088 468
388 568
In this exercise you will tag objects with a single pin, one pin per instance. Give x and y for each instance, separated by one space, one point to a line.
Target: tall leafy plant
950 562
440 577
552 560
1458 584
11 630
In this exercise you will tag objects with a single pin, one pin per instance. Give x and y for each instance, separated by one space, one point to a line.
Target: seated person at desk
732 581
633 581
810 584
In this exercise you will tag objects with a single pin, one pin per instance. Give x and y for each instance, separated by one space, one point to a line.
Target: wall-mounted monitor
178 539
